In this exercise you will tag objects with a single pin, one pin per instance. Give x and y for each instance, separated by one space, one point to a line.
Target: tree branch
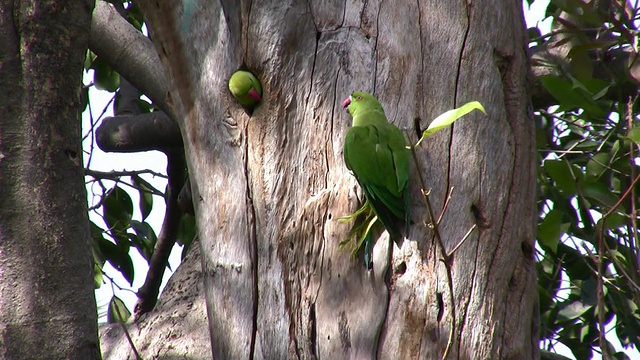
151 131
148 293
137 61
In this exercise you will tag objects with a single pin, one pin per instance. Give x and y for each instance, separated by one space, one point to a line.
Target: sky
156 161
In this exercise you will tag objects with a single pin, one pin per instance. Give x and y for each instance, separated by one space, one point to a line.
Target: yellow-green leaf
634 135
117 312
449 117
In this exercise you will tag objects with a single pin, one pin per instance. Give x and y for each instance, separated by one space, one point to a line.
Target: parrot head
359 101
245 88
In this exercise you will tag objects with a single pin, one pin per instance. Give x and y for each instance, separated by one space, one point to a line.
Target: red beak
253 93
346 102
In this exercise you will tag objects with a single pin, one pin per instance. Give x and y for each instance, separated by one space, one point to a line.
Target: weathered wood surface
47 302
269 188
175 329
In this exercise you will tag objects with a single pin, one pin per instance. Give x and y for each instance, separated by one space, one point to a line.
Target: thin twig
464 238
600 278
113 283
432 218
124 328
446 204
112 175
634 226
443 253
115 176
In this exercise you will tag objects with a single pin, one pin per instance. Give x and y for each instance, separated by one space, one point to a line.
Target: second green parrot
245 88
376 152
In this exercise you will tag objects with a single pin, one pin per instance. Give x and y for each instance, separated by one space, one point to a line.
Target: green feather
376 152
245 88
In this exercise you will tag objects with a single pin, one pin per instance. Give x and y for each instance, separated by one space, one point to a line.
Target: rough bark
177 326
47 303
150 131
129 52
268 189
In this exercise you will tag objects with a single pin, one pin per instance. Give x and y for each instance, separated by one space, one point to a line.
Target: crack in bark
490 266
314 330
315 52
375 48
463 318
508 89
387 281
455 102
245 33
421 93
253 239
395 115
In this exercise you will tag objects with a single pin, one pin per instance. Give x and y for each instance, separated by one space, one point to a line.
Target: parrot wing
377 156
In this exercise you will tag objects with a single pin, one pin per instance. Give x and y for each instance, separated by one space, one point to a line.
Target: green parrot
245 88
376 152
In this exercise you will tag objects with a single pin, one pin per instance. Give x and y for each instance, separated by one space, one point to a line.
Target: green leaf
549 282
581 63
582 145
134 15
145 106
614 221
551 229
621 355
144 240
104 77
117 312
97 271
533 34
89 58
118 210
84 97
186 233
588 290
564 175
449 117
634 135
600 193
597 165
571 95
125 266
573 310
146 197
580 10
577 265
118 257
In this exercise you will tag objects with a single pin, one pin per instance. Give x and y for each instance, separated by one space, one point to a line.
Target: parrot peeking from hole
377 154
246 89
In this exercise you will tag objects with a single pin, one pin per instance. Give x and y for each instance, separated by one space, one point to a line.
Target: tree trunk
269 188
47 303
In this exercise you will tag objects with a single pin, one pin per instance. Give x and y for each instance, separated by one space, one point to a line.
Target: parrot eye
359 98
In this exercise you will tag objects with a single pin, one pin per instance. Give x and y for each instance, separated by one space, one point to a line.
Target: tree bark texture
177 326
269 189
47 303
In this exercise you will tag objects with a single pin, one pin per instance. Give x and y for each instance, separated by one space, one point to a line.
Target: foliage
587 141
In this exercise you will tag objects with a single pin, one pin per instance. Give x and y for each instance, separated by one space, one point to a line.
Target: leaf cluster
587 140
